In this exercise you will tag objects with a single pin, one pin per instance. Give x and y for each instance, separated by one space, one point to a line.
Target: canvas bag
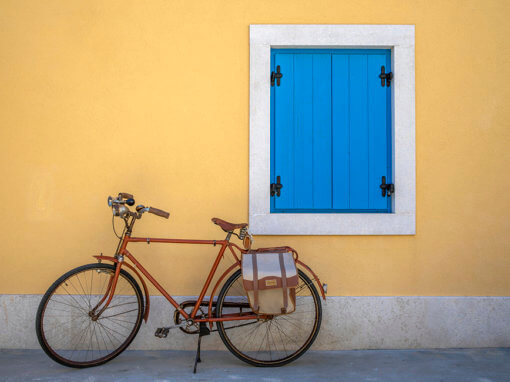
270 279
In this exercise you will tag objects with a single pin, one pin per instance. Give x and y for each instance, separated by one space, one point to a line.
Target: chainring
179 319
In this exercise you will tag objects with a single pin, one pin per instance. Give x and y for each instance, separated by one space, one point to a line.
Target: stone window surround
398 38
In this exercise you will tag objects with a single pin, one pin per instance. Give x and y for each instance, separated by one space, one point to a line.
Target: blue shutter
330 131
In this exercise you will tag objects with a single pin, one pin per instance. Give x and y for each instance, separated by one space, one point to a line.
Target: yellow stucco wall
151 97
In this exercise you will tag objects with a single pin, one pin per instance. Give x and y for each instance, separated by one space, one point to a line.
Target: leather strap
284 283
255 283
271 249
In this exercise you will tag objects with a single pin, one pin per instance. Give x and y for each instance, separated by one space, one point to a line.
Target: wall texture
152 98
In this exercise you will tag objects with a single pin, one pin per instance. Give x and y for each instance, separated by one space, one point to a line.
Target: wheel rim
272 341
72 334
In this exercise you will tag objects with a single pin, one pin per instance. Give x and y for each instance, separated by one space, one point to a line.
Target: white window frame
398 38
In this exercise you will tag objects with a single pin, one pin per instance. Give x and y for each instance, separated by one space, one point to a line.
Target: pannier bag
270 279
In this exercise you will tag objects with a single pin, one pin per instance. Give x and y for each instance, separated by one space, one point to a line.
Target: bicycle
93 312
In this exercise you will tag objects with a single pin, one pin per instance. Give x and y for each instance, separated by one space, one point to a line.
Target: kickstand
204 331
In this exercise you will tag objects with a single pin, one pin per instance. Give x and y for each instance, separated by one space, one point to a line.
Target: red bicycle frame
123 253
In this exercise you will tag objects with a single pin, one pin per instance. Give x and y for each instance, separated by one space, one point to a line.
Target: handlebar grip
125 195
158 212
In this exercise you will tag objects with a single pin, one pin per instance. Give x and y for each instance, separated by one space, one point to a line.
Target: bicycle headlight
119 210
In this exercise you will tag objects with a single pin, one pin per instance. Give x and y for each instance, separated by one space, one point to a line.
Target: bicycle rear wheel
67 330
274 341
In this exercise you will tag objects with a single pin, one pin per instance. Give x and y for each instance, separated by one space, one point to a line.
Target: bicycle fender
144 285
315 277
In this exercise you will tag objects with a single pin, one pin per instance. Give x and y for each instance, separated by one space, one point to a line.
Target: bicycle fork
110 290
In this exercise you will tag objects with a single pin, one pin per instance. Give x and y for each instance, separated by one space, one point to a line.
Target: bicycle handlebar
119 207
159 212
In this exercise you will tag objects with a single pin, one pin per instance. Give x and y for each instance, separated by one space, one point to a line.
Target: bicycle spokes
70 330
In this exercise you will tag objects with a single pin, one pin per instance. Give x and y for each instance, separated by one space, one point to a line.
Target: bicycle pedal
162 332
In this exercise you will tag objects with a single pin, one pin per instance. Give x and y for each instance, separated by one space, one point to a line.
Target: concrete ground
481 365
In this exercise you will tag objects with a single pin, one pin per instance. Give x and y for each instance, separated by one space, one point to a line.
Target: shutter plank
358 110
340 133
322 131
284 132
303 128
377 126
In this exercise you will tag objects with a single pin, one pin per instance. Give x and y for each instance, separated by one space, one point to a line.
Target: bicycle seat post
229 234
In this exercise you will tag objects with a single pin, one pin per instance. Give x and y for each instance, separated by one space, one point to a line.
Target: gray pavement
481 365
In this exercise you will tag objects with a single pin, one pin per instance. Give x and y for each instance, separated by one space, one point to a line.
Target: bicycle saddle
226 226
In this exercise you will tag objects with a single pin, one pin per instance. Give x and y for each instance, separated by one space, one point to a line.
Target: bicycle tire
72 315
259 358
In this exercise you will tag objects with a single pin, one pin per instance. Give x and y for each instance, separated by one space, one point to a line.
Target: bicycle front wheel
66 327
273 341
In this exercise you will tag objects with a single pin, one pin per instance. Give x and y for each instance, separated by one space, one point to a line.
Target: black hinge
276 187
276 75
387 187
385 76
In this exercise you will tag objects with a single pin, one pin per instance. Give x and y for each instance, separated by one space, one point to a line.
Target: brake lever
140 209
